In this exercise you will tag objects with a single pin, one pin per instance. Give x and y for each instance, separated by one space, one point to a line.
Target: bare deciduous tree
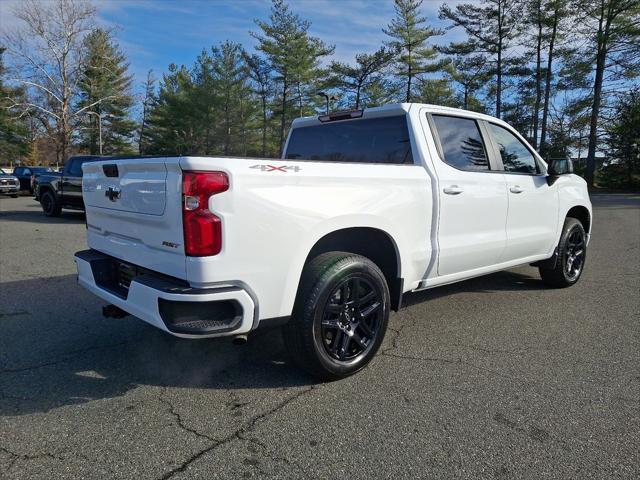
46 55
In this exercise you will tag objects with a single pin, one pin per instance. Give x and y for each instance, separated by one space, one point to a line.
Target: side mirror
557 167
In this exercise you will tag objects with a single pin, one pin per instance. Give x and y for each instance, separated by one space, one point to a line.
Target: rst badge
273 168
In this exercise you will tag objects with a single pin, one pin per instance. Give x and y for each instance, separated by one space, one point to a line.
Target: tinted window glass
375 140
515 156
18 170
76 166
461 142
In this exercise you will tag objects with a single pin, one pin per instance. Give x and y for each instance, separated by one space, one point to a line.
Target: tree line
563 72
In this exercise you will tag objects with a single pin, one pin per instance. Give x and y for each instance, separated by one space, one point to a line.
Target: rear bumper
168 303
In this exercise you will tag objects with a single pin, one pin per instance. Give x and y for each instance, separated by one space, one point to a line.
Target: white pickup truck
363 207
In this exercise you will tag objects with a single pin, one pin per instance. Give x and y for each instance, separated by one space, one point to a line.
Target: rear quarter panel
272 218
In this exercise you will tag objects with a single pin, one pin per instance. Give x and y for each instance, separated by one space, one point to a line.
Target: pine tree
172 119
555 13
294 57
624 134
260 73
491 28
105 86
437 91
469 70
231 84
353 81
380 91
534 14
410 34
612 29
203 99
147 103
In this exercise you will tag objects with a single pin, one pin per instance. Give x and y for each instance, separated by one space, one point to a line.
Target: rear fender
334 224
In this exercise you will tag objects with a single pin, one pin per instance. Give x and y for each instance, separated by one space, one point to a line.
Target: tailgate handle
110 170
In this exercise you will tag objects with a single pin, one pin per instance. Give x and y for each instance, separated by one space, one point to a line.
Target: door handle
452 190
516 189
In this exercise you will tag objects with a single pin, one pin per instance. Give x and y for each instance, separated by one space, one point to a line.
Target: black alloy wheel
574 254
340 316
49 204
351 319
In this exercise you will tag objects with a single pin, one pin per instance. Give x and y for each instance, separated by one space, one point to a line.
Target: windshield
373 140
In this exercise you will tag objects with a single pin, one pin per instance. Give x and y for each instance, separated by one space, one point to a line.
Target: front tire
340 316
50 206
572 254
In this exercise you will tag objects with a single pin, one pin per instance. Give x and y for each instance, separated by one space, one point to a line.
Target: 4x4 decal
273 168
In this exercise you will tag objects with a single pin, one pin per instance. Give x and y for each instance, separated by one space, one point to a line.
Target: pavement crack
459 361
67 356
17 313
16 457
479 348
423 359
179 419
236 435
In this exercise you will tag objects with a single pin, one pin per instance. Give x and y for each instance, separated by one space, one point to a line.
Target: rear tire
50 205
340 316
14 195
572 254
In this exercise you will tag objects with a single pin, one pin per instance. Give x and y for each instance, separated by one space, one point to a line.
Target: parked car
58 190
9 184
27 175
364 207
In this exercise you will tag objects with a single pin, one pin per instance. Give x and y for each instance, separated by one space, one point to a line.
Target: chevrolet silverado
363 207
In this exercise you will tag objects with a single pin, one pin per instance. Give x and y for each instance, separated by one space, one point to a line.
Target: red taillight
202 229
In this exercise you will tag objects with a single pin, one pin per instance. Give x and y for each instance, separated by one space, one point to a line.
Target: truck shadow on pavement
57 350
32 213
507 280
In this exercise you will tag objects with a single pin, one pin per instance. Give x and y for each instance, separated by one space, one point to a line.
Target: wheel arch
582 214
373 243
47 188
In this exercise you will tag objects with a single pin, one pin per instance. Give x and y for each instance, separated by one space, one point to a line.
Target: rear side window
461 142
76 166
374 140
516 157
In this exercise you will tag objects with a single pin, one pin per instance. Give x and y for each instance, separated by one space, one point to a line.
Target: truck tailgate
134 212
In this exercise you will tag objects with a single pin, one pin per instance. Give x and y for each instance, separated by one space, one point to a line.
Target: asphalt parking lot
496 377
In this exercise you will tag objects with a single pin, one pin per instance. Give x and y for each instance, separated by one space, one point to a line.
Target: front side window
369 140
461 142
516 157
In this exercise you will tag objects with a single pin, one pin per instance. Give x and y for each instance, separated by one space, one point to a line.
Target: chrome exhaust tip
239 339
